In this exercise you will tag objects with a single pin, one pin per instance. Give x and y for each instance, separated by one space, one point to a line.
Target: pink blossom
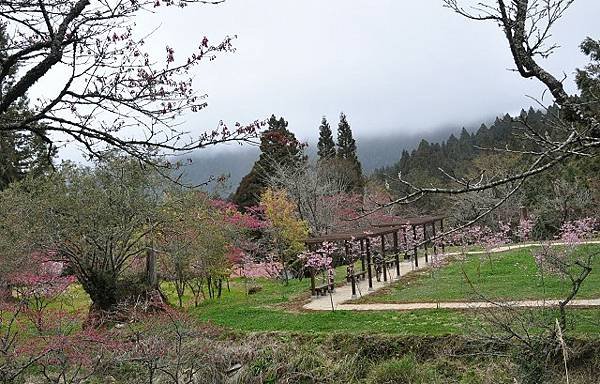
524 229
41 278
574 232
316 260
248 221
493 239
321 259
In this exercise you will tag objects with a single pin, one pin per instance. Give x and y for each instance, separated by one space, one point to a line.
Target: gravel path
343 294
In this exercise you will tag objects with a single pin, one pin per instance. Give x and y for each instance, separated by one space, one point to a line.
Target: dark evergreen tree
279 147
346 154
588 79
21 152
326 145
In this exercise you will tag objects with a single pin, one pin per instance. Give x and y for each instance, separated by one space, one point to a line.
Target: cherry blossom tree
569 262
38 283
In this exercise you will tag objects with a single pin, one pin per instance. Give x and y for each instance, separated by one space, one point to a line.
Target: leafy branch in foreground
113 93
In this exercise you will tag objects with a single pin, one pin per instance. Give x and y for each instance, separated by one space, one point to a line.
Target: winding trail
339 298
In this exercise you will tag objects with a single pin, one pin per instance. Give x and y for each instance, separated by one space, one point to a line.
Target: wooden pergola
413 223
398 229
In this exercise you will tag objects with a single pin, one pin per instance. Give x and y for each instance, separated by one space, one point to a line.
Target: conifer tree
326 145
278 147
347 153
21 152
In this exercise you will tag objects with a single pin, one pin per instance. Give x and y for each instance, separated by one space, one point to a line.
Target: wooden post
425 241
369 270
362 255
397 254
523 213
353 279
405 243
435 252
443 242
349 269
415 247
383 258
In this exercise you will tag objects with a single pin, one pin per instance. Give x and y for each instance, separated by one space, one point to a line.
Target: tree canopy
278 146
347 155
325 145
22 151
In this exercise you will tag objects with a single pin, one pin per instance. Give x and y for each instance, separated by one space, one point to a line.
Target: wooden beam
435 251
362 255
369 269
415 247
425 242
443 241
397 254
383 258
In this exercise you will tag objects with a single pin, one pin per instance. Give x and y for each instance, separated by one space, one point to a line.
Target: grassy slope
277 308
514 276
510 275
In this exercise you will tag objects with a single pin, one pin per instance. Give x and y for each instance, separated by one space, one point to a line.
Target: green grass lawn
511 275
269 311
278 308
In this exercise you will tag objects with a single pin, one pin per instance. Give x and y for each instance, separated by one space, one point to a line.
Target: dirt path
342 294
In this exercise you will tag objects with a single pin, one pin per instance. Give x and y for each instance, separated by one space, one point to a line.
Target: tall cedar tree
347 154
326 145
21 152
588 79
278 146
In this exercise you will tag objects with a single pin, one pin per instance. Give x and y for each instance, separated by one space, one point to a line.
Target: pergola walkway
344 293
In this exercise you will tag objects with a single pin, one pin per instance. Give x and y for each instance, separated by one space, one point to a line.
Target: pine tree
326 145
21 152
278 147
588 80
347 153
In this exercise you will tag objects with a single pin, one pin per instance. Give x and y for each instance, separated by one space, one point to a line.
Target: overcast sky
391 65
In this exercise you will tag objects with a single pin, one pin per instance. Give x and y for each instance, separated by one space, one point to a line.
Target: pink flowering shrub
231 215
562 260
62 351
574 232
316 261
38 284
525 228
354 251
321 261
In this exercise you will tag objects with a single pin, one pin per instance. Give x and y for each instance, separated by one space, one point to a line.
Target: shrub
405 370
254 289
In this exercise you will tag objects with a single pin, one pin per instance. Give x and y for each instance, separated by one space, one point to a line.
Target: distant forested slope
560 194
235 162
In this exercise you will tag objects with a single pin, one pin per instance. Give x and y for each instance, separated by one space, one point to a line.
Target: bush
254 289
401 371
